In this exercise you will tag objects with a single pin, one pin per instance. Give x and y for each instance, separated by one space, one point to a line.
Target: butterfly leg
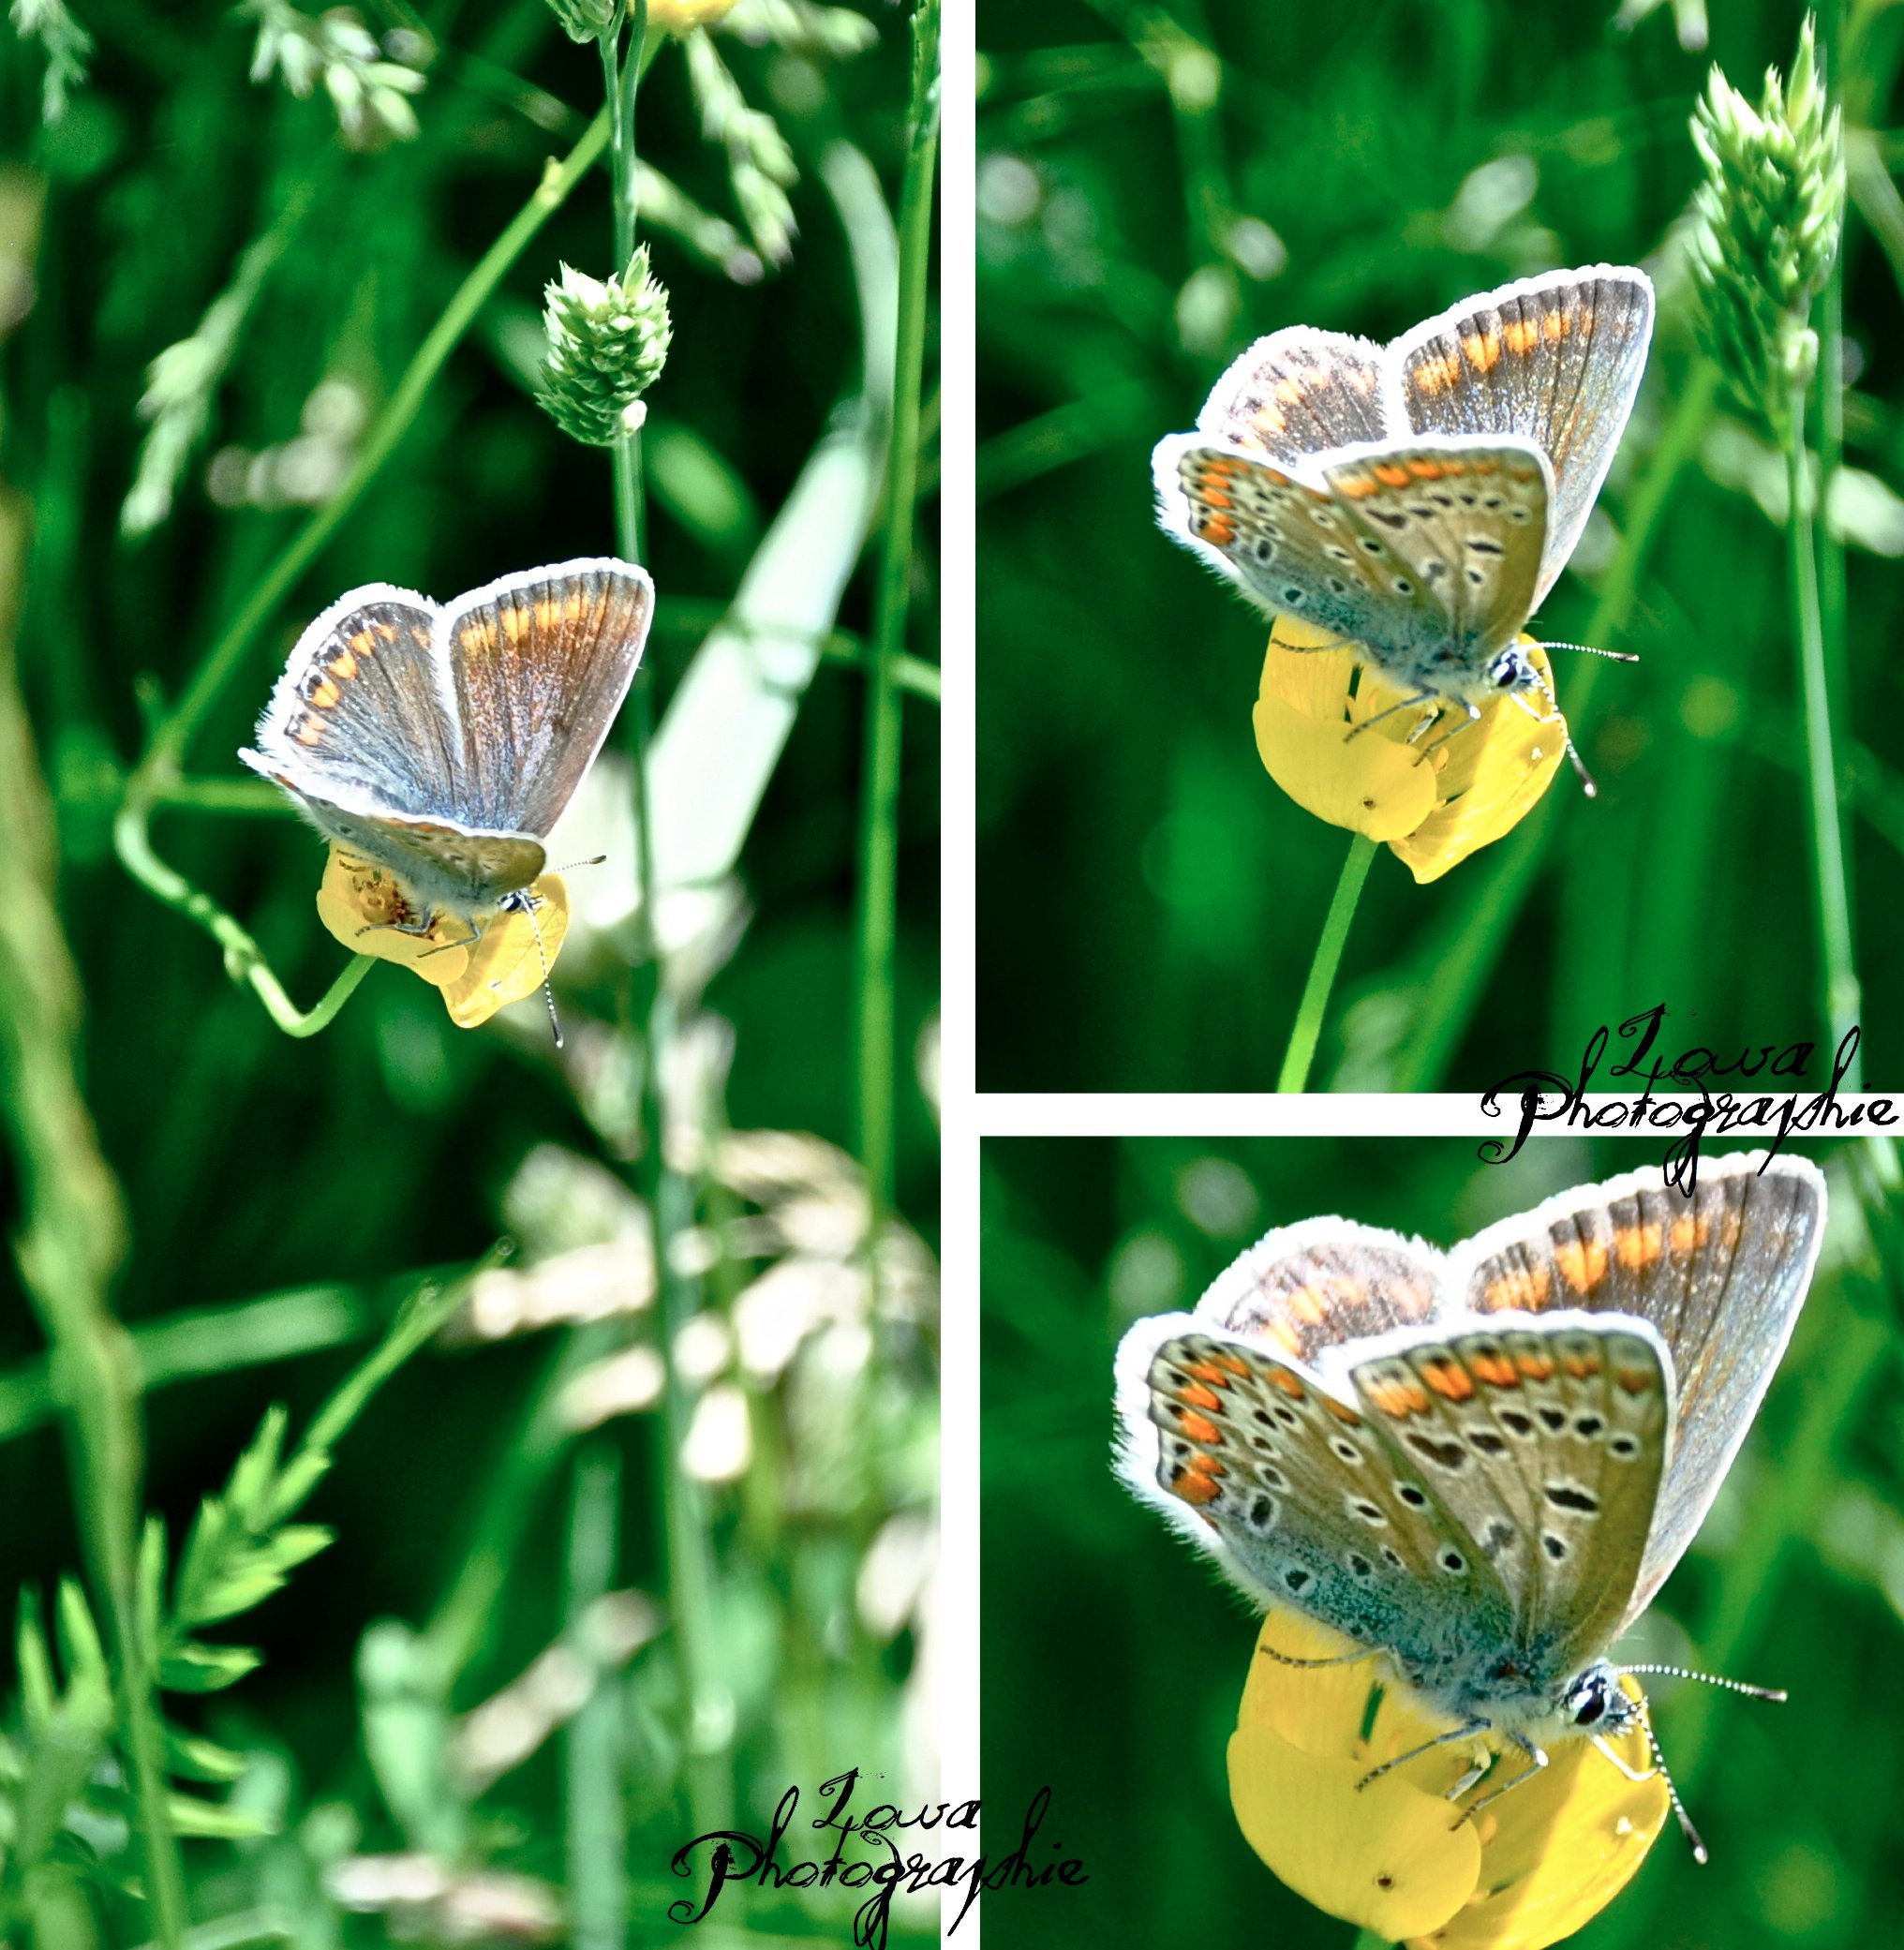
1406 704
1282 1658
475 934
1632 1773
1467 1732
1537 1762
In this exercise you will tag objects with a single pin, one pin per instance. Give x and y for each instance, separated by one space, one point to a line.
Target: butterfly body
1480 1463
441 743
1417 499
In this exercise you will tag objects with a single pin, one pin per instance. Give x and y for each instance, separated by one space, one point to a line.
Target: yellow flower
502 964
1432 807
683 16
1396 1857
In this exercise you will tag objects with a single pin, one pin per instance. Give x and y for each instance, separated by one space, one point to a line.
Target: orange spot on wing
1281 1378
1199 1428
325 694
1218 530
1523 1291
1397 1399
1426 470
1448 1379
1341 1410
1483 349
1522 334
1389 474
1496 1370
1197 1396
365 642
1582 1264
1581 1365
1288 391
1556 326
1634 1380
343 666
1357 486
1637 1247
1269 417
308 731
1306 1304
1536 1367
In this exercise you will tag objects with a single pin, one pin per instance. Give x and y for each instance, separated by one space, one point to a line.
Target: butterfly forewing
359 716
1300 392
1307 1508
1544 1441
1557 359
1457 522
1720 1276
539 664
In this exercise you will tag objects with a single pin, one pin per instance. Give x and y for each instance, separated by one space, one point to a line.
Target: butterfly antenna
1751 1692
1573 757
598 859
1593 650
548 987
1686 1828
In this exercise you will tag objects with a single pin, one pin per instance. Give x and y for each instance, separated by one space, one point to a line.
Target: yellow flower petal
1394 1857
683 16
363 906
1302 720
516 952
1433 802
1496 770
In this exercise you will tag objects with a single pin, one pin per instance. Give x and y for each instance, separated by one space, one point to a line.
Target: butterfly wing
360 720
1461 519
1720 1276
538 664
1557 359
1426 554
1544 1438
1299 391
1279 1477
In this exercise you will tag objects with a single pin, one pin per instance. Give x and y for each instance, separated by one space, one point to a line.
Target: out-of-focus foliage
545 1647
1114 1657
1158 186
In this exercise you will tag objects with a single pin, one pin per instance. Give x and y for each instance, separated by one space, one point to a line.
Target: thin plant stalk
691 1568
879 820
1322 967
159 770
1842 992
70 1244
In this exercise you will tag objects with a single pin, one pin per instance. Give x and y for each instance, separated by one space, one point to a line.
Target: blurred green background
1156 187
1114 1658
282 1197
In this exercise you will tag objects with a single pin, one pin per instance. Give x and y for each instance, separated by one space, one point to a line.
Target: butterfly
1482 1463
441 743
1419 499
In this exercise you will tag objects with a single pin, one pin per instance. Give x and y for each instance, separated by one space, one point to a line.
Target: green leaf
37 1693
196 1668
256 1472
217 1821
202 1760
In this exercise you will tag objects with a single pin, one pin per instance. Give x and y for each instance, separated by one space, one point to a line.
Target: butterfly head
1594 1701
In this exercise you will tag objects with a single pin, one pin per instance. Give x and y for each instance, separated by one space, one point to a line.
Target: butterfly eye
1510 671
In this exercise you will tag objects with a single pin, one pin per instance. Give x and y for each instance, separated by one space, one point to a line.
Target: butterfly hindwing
1282 1480
1297 392
1544 1439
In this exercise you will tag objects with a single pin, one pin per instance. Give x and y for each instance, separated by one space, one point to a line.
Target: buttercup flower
505 963
1432 803
1396 1857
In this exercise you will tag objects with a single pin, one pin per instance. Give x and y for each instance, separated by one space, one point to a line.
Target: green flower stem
1328 958
1841 993
592 1743
1461 960
879 814
70 1244
1368 1939
157 771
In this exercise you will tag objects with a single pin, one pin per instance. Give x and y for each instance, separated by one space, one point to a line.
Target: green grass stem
1841 991
1313 1005
879 804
